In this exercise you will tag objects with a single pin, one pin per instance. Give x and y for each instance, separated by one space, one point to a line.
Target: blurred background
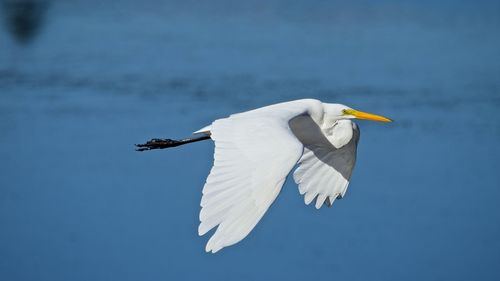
81 81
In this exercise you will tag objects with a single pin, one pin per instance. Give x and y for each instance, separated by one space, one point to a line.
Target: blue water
92 78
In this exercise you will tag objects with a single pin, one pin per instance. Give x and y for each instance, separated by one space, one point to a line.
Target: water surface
78 203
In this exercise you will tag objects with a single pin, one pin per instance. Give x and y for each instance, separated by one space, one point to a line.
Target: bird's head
336 112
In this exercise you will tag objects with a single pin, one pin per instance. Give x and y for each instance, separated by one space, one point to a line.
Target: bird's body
257 149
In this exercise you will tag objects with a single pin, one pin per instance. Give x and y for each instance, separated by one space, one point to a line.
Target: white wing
328 160
254 152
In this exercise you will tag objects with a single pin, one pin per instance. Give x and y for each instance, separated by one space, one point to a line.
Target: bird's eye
345 112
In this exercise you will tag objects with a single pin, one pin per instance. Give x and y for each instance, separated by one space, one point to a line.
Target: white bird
257 149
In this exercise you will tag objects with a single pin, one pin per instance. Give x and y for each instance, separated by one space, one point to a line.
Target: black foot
158 144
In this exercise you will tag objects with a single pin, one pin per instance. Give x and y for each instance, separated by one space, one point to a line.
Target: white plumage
256 150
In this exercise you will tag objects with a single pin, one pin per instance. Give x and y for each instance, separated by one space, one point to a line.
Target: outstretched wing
329 156
254 152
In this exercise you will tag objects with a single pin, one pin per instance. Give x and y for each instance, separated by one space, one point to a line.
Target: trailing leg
166 143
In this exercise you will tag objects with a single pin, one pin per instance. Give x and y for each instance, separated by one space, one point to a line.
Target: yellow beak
366 115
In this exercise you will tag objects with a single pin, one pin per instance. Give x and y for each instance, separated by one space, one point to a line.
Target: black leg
166 143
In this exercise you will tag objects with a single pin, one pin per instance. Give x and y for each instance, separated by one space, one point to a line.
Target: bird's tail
166 143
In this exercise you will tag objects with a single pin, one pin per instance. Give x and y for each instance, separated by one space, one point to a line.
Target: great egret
257 149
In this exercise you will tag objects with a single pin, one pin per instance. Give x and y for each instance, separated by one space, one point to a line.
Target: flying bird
257 149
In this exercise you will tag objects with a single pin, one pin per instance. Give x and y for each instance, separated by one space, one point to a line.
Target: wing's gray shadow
312 137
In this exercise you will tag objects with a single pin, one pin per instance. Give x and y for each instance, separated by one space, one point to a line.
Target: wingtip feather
309 197
319 201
